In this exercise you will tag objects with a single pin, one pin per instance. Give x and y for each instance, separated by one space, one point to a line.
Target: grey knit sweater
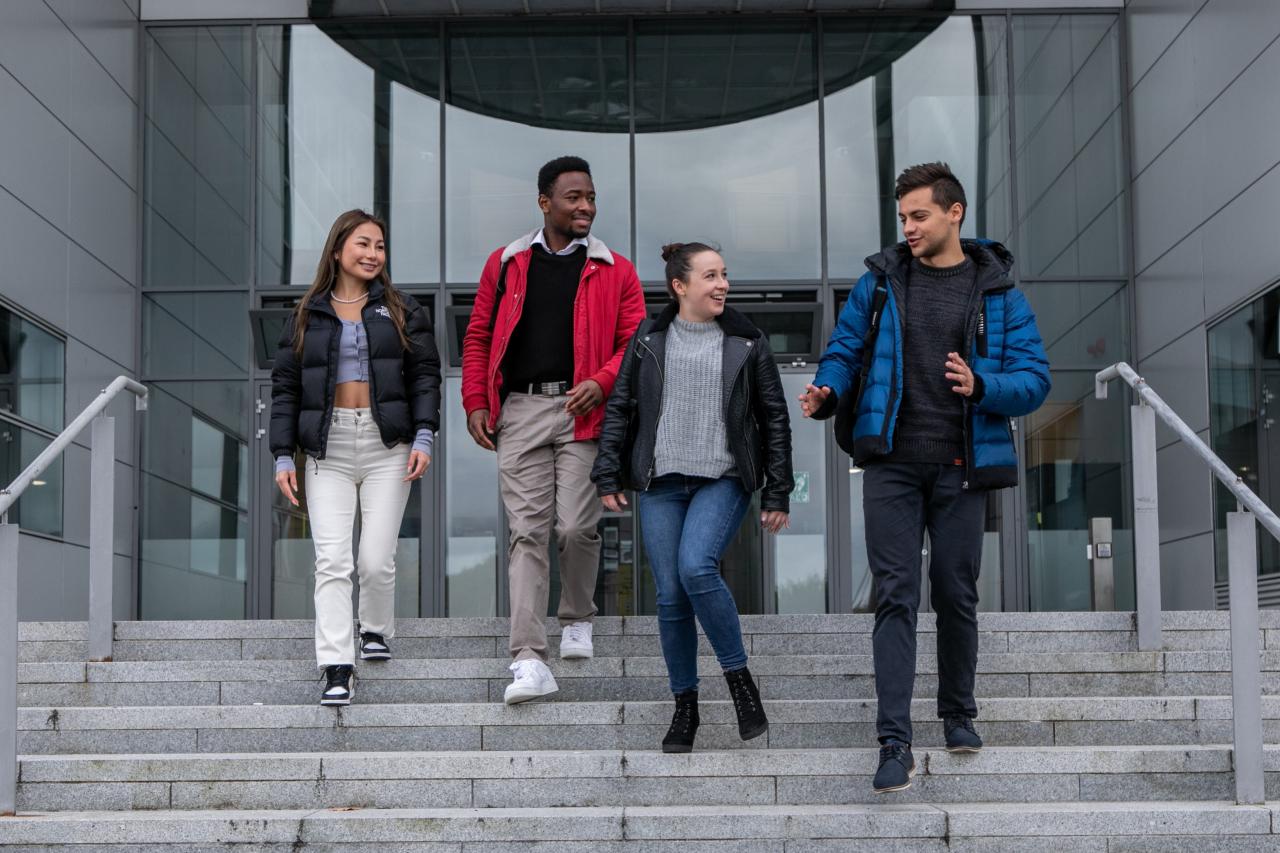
691 434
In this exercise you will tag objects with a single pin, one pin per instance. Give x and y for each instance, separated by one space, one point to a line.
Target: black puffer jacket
404 385
755 412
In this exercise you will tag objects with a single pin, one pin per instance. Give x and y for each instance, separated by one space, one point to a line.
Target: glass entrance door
285 568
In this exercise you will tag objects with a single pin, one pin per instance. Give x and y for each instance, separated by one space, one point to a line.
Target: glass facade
32 391
777 138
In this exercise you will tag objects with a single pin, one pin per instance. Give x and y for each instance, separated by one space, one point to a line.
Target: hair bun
671 249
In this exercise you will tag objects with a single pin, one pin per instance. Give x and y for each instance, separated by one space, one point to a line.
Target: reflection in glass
1067 96
471 503
727 145
40 507
195 501
316 148
414 242
1074 446
800 552
197 335
32 371
1244 385
197 142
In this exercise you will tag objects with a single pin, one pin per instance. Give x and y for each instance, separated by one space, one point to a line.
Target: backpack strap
498 294
878 298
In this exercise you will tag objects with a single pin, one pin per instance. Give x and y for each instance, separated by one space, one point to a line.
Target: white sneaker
533 679
575 641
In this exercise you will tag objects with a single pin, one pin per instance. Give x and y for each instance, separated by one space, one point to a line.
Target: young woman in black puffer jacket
696 423
356 388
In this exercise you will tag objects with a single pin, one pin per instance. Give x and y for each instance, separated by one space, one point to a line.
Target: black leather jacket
755 412
404 385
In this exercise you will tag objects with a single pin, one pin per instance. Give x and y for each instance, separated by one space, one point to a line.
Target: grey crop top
353 366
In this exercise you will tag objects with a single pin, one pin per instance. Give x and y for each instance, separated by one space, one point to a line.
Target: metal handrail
101 547
1242 567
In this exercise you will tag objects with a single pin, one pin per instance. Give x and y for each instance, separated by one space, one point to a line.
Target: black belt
544 389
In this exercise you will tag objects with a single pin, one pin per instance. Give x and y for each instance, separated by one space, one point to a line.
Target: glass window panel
316 146
727 144
40 507
1070 152
800 551
520 96
196 335
198 144
1244 383
195 501
1075 446
415 186
471 507
32 372
884 103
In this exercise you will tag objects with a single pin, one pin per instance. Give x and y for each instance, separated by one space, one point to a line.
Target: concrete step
631 636
1006 674
577 779
553 725
992 828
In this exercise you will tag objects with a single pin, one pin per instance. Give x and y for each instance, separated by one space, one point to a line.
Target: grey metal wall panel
1186 506
1163 105
1242 254
1170 296
99 304
1186 574
1226 36
24 234
1153 25
1179 373
35 47
102 212
108 30
1168 198
33 152
102 116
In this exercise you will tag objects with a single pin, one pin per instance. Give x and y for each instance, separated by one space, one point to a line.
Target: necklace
336 298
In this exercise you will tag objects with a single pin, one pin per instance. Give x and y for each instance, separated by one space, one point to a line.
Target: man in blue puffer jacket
933 354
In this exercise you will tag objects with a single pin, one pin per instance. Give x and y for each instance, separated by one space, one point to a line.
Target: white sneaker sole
375 656
576 652
515 697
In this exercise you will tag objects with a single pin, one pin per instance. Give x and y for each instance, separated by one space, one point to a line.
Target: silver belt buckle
550 389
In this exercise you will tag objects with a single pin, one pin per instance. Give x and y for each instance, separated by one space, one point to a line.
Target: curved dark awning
571 73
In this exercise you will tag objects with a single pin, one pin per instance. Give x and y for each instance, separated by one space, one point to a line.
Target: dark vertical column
883 95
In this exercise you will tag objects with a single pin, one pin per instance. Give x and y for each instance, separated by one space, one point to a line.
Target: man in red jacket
552 317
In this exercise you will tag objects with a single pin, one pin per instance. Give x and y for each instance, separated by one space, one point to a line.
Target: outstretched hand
813 399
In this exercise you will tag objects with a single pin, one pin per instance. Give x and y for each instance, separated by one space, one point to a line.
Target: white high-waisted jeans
356 464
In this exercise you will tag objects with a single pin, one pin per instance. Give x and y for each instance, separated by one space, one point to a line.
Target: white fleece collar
596 249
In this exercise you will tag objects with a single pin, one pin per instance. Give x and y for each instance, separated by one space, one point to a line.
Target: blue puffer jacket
1002 347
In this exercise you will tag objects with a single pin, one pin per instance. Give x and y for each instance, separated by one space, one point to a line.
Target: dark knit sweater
541 347
930 424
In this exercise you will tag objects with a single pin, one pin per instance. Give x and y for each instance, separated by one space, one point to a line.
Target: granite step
993 828
607 725
554 779
1007 674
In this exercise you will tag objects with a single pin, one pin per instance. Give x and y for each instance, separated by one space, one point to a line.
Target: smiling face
570 208
930 230
703 295
364 253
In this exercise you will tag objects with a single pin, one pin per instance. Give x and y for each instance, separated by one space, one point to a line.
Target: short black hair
946 186
550 171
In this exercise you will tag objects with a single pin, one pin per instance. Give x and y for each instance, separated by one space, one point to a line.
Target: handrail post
1146 527
1246 678
101 537
8 669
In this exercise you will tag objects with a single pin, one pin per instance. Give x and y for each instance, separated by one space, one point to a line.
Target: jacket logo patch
382 310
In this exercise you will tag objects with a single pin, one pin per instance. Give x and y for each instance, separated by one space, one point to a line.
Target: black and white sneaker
373 647
339 685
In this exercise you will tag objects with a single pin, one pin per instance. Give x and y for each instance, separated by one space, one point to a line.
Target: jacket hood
993 260
596 249
732 322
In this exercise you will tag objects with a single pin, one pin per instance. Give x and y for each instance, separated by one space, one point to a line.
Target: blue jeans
687 523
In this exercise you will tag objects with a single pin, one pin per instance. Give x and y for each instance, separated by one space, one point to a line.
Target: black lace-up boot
746 702
684 723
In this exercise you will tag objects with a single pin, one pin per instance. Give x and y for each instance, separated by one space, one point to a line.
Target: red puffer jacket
608 308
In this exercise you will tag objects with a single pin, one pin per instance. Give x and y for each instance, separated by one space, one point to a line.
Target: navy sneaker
339 685
374 647
896 768
960 735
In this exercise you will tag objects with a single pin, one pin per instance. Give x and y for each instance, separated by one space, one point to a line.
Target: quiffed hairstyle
946 186
679 258
550 171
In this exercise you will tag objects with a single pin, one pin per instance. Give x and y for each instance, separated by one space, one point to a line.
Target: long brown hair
327 276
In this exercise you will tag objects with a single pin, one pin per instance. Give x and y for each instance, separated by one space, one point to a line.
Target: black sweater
541 347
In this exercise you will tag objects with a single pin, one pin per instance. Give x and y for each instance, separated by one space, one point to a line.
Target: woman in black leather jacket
696 423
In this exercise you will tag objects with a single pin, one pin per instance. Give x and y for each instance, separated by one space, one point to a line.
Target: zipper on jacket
970 339
662 382
891 413
373 388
